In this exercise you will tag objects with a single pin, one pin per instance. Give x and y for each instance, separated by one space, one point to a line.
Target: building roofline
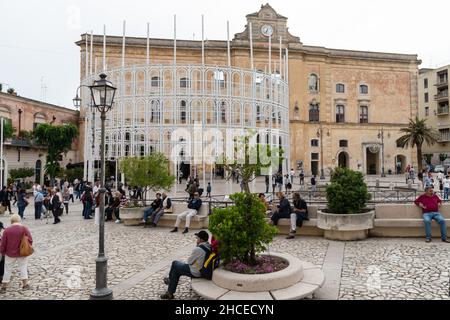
220 44
45 104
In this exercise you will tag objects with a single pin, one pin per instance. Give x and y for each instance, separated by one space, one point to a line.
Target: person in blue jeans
155 205
22 202
430 203
191 268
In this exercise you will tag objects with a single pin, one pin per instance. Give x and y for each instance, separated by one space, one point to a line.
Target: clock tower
267 23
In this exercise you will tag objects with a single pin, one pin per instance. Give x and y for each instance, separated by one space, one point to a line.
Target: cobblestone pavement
63 266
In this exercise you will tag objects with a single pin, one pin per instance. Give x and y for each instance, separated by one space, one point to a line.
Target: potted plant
152 174
346 217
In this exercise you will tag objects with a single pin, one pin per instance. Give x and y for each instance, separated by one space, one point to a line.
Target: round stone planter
132 216
345 227
261 282
300 279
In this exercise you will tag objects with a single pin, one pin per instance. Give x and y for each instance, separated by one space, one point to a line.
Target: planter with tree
346 217
248 268
151 173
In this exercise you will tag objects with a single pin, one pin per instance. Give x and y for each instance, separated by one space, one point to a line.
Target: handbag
25 247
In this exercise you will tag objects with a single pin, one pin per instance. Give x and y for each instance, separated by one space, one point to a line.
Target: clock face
267 30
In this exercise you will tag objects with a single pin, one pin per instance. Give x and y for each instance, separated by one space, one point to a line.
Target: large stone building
344 107
433 106
24 114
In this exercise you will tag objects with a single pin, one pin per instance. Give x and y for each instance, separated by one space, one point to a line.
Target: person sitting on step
166 207
193 207
154 206
298 214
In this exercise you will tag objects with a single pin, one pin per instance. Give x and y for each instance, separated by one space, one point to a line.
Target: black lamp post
102 93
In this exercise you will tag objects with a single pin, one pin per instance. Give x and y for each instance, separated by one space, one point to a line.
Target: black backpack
209 264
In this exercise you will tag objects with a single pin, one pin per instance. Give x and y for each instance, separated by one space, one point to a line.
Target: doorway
373 162
343 160
400 164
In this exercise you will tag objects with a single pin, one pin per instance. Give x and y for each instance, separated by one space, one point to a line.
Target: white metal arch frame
148 103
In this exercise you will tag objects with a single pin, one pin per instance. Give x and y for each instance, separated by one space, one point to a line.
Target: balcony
441 96
442 82
442 111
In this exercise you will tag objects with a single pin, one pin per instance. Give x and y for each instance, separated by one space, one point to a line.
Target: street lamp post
320 134
381 136
102 93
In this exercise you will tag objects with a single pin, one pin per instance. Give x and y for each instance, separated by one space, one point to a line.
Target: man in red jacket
430 203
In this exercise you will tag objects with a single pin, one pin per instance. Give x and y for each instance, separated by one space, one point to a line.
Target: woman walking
56 205
22 202
10 248
66 198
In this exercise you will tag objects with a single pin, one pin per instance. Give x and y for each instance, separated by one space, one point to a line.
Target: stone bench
135 216
309 228
404 220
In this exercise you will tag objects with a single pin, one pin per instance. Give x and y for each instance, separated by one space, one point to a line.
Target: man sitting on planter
283 211
191 268
298 214
430 203
154 206
166 207
193 207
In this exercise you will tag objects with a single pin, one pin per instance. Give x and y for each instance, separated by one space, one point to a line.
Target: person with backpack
10 247
190 269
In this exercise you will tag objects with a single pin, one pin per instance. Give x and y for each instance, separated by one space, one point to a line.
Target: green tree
241 229
72 174
443 157
8 129
416 134
251 159
150 172
21 173
58 140
347 192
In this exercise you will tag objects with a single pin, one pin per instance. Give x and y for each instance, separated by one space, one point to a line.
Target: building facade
344 108
434 107
25 114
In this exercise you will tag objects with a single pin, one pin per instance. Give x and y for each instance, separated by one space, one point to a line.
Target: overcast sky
37 37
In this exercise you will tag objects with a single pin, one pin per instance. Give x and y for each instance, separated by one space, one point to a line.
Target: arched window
363 114
314 113
313 83
340 88
363 89
340 113
219 78
155 82
223 112
185 83
38 119
258 113
259 77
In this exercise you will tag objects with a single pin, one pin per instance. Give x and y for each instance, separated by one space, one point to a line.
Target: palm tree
415 135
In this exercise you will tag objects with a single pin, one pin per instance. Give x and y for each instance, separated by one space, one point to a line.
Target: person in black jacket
56 206
298 215
283 211
193 207
166 206
154 206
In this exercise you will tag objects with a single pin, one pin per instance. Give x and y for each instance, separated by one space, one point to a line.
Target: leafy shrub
241 229
21 173
347 192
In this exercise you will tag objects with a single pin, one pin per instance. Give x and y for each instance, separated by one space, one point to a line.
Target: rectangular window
340 88
427 111
314 143
425 83
314 156
340 114
343 143
426 97
363 114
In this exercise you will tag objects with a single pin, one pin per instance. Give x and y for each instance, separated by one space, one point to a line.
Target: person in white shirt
71 192
446 183
96 188
440 176
34 189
